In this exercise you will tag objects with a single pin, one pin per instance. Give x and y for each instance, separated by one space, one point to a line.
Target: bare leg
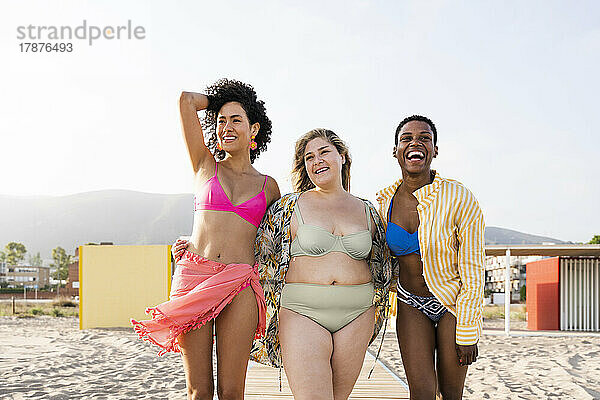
451 375
196 353
235 327
349 347
416 337
306 349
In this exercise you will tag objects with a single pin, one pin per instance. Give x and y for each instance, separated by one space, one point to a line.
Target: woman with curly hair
323 260
435 231
216 286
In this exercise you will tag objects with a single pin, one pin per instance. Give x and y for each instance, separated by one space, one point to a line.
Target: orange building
543 294
564 293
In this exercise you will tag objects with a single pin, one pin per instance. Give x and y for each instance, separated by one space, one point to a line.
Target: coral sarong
200 289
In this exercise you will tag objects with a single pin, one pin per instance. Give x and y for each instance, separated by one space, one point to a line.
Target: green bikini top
314 241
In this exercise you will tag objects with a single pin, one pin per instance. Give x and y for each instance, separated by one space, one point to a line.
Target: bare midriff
223 236
411 275
330 269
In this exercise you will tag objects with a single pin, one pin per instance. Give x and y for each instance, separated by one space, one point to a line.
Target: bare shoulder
351 205
272 190
372 213
359 202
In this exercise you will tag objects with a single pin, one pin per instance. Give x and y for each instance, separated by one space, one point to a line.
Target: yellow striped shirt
451 240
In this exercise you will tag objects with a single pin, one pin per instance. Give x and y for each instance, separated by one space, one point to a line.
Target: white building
25 276
2 272
495 270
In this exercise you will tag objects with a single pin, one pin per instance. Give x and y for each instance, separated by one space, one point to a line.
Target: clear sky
512 87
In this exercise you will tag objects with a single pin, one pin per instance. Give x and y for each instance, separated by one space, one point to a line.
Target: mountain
118 216
126 217
495 235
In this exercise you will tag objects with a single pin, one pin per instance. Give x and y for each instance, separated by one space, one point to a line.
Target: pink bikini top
213 197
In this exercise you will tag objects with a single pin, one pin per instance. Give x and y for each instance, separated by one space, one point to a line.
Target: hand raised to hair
178 248
467 354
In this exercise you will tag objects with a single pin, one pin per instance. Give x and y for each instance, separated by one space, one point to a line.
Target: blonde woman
326 274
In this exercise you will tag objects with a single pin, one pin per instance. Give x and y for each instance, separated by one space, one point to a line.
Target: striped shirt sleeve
469 304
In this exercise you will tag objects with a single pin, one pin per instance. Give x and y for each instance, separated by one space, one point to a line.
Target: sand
50 358
520 367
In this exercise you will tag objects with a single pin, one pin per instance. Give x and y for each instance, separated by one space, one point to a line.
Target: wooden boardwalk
262 382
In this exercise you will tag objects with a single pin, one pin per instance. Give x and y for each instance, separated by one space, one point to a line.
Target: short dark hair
227 90
416 118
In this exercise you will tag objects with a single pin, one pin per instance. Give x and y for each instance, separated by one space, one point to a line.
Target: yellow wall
118 283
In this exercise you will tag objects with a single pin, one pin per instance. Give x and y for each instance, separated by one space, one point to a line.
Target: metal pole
13 304
563 303
586 295
571 295
507 291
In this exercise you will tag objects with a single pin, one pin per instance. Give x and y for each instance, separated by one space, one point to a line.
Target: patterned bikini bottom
430 306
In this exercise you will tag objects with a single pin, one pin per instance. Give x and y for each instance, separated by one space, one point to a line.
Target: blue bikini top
399 240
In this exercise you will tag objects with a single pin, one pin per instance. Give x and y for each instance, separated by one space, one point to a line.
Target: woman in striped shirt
435 232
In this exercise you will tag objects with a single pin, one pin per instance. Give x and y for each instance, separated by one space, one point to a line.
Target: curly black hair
416 118
226 90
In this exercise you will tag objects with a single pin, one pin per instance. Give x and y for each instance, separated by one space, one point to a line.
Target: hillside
127 217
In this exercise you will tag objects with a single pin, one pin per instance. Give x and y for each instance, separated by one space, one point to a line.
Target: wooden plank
262 382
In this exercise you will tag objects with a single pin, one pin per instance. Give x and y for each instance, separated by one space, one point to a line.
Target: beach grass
517 313
61 307
63 302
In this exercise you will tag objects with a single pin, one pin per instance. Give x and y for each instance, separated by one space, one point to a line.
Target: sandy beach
50 358
518 367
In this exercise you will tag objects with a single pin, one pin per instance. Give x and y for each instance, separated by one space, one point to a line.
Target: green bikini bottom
331 306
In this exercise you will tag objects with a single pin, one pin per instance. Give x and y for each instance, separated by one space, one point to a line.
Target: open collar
424 195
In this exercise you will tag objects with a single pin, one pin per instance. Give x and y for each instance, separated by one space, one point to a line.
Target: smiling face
415 149
234 131
323 163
